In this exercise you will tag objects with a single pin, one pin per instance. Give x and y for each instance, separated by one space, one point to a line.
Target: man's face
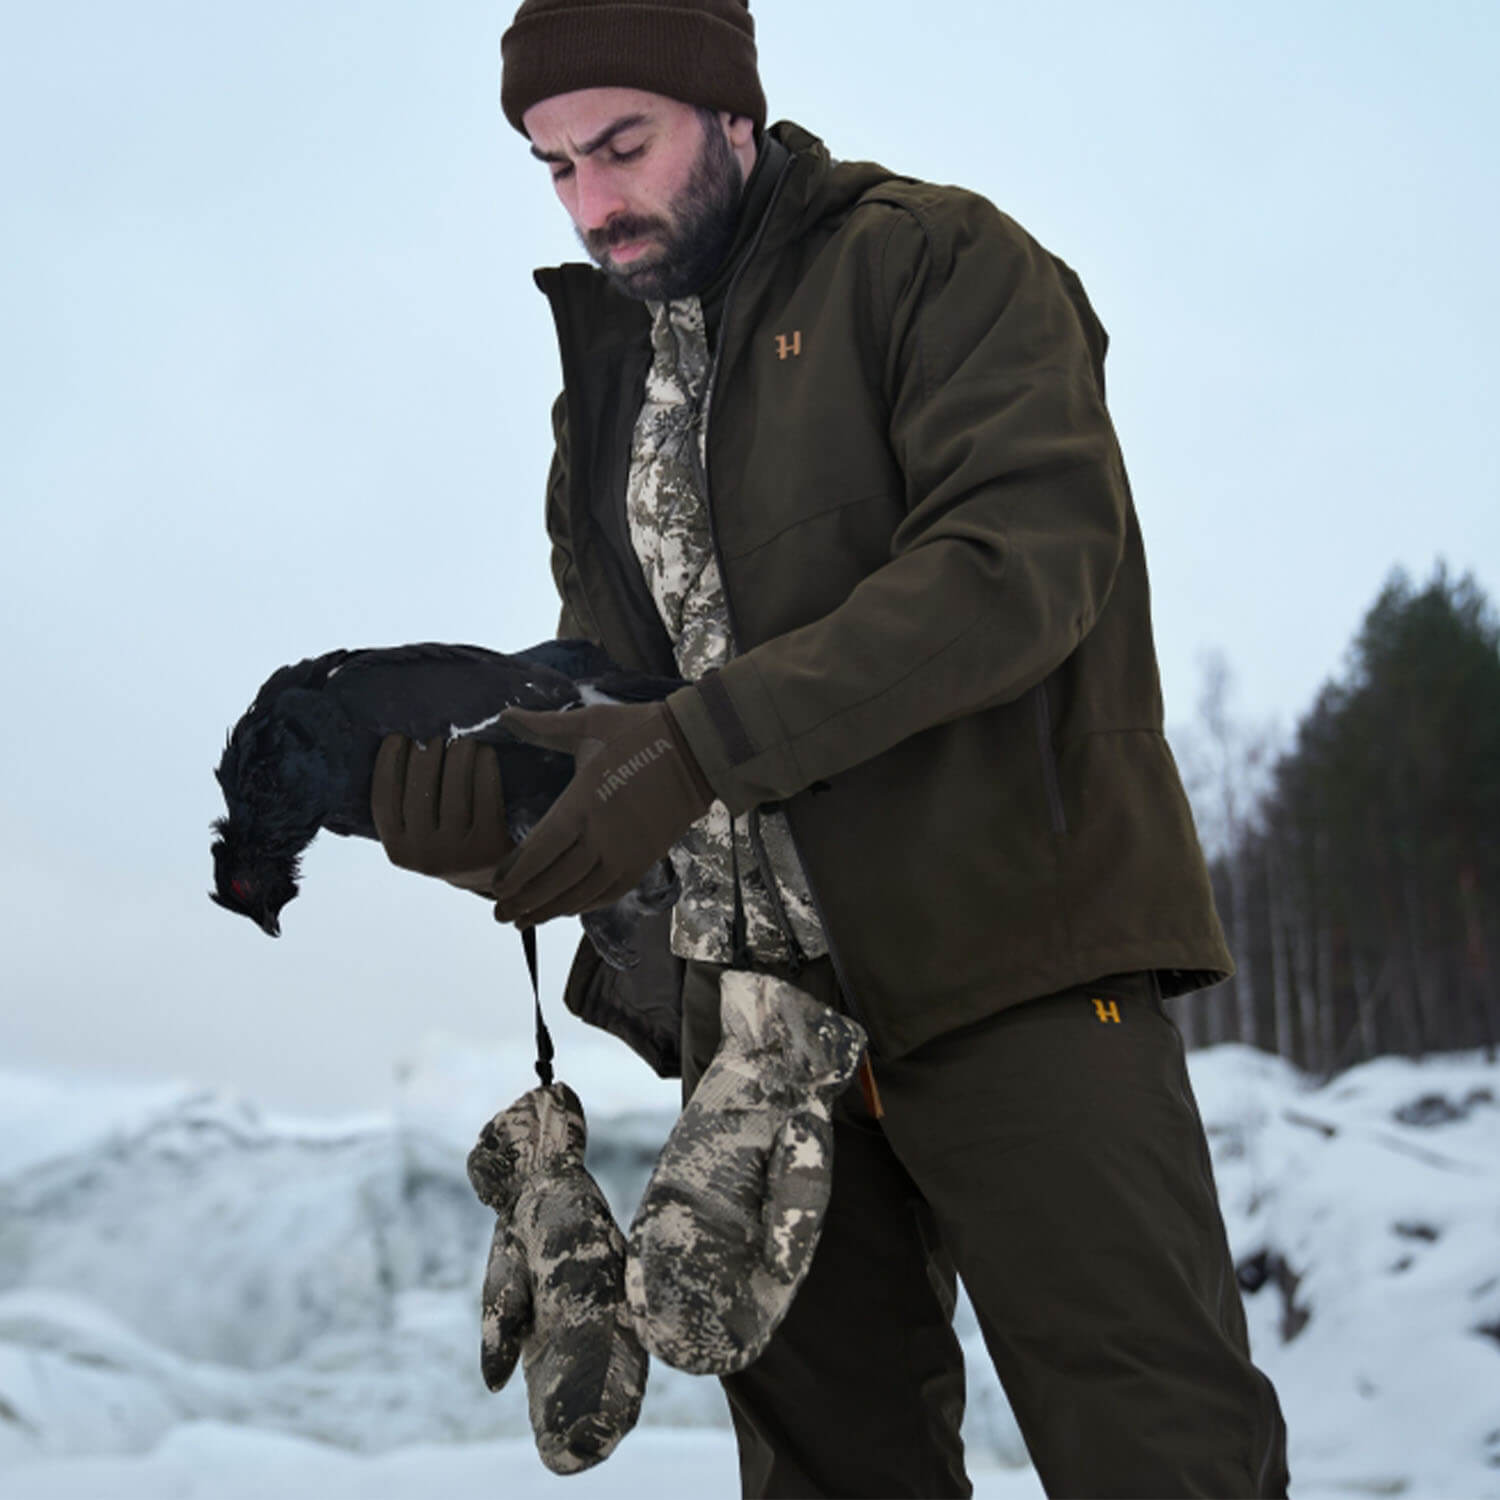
652 185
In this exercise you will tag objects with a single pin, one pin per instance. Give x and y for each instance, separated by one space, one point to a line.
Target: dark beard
692 244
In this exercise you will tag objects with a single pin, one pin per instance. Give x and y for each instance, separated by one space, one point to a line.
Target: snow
200 1299
42 1114
459 731
210 1461
1393 1230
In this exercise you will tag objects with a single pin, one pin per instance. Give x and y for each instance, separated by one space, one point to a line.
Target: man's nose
598 197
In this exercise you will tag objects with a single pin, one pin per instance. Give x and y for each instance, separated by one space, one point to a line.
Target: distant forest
1357 868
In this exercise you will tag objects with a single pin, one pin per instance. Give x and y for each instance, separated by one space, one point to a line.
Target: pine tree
1364 888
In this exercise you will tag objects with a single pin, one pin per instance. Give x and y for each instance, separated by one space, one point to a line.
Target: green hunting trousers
1053 1158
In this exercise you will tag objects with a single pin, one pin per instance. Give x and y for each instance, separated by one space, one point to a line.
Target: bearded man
833 447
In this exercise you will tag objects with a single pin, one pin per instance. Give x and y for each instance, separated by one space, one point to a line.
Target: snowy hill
1368 1214
186 1284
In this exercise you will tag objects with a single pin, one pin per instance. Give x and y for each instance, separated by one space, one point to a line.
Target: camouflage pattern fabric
554 1288
726 1230
666 509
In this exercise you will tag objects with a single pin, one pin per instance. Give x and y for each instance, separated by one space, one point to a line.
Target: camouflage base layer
725 1233
554 1288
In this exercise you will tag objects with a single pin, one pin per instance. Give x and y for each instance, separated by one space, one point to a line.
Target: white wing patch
459 731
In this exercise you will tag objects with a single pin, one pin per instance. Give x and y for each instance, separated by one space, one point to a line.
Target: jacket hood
816 186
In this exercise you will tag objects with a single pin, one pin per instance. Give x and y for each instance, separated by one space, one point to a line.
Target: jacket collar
771 160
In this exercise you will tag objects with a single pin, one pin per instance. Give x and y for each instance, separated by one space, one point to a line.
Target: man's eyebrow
625 122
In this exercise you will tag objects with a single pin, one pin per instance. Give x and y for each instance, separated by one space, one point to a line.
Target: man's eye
619 156
561 172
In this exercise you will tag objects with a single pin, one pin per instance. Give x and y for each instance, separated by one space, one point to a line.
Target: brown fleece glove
636 789
439 810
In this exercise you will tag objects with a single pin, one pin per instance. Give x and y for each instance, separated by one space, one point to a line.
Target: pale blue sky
275 379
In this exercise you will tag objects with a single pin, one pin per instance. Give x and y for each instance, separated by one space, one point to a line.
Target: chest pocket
806 491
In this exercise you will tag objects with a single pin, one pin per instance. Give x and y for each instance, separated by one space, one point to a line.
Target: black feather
302 756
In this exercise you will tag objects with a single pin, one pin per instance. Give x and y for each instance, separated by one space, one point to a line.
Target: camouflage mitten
727 1228
554 1290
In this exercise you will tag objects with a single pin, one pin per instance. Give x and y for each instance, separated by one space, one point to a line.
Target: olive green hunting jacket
945 670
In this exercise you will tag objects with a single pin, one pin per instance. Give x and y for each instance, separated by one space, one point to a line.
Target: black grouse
302 757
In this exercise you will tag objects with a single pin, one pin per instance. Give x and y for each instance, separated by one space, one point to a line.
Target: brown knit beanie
699 51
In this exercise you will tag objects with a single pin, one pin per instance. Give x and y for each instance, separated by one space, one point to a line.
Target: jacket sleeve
1016 507
564 574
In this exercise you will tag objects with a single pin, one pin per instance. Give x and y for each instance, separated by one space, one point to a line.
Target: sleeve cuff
732 727
692 718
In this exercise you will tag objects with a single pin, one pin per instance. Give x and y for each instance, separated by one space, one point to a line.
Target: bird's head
250 879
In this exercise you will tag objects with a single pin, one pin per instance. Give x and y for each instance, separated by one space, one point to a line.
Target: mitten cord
544 1049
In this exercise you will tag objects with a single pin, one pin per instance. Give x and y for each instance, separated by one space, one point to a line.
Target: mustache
620 232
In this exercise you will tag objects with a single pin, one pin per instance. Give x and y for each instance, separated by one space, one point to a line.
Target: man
833 447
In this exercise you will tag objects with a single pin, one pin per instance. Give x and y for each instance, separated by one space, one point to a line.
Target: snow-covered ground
199 1300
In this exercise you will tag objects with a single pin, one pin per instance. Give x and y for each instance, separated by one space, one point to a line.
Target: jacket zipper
1049 759
734 633
798 957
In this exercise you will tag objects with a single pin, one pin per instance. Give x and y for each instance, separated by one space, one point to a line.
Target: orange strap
867 1085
